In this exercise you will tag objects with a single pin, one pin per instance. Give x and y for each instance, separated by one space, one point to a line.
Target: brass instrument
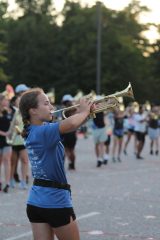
153 116
14 129
103 104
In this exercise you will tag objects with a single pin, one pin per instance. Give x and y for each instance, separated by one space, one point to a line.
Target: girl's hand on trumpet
75 121
85 105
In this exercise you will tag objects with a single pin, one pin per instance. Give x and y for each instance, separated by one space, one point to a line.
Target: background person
69 139
140 130
118 133
18 149
129 114
153 130
99 137
6 115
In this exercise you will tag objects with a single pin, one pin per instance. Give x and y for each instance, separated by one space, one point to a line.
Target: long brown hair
28 100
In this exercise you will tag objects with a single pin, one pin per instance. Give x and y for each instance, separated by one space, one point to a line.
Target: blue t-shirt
46 155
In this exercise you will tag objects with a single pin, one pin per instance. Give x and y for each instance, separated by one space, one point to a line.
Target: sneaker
151 152
6 188
113 159
125 152
139 157
119 160
23 185
105 161
71 166
12 183
157 152
99 163
16 177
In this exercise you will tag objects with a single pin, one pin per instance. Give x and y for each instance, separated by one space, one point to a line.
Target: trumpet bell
127 92
106 103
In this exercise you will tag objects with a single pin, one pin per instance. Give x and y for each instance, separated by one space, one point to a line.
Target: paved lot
120 201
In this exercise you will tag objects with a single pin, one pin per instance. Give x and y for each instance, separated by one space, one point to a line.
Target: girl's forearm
73 122
3 133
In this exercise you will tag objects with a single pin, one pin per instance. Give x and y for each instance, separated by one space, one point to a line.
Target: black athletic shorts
55 217
140 136
108 141
69 140
18 148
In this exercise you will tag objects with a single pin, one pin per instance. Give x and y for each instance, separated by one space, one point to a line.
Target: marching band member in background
140 130
69 139
118 133
6 115
153 130
99 137
18 149
109 130
129 114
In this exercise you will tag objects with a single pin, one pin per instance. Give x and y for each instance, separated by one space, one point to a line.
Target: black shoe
151 152
99 163
157 152
125 152
6 188
139 157
113 159
119 160
0 186
16 178
71 166
105 162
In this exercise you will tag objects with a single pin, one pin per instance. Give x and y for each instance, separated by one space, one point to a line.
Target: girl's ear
32 111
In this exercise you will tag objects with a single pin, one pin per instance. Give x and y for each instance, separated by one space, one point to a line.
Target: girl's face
43 111
4 104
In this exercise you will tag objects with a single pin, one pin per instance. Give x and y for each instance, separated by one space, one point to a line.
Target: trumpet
106 103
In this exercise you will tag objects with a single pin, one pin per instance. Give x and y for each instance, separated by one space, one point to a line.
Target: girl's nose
51 107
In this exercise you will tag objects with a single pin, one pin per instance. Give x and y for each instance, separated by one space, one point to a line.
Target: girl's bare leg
67 232
14 161
129 134
6 158
120 141
114 148
42 231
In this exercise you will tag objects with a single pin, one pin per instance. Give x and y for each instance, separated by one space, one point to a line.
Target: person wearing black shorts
69 139
49 204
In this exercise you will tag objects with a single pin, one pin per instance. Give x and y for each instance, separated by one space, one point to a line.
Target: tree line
37 51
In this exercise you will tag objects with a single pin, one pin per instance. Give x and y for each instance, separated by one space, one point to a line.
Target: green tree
35 6
31 47
41 53
3 46
154 66
122 48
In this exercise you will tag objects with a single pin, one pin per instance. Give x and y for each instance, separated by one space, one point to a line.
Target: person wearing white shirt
140 130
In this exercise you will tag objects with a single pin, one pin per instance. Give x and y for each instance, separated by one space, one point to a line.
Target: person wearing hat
21 88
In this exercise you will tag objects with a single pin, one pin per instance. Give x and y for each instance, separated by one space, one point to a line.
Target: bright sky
153 16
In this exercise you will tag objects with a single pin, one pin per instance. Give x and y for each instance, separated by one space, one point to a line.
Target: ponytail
25 131
28 100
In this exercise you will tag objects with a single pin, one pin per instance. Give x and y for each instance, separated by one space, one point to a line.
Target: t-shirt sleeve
50 133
